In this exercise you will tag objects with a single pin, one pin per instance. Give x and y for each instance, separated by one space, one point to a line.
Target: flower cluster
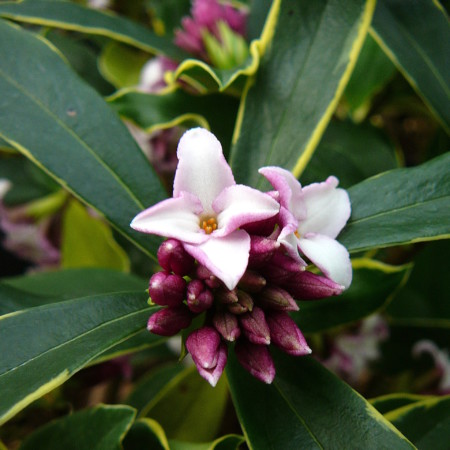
239 258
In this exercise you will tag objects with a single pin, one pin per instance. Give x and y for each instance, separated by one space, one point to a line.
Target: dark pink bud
244 303
169 321
273 297
199 297
254 326
212 375
262 227
281 267
255 359
204 274
166 289
174 258
309 286
261 250
252 281
226 296
285 334
203 345
227 325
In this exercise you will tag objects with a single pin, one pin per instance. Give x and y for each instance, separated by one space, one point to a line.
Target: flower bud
169 321
203 345
227 325
204 274
281 267
254 326
256 360
199 297
261 250
173 257
166 289
309 286
252 281
285 334
226 297
244 303
273 297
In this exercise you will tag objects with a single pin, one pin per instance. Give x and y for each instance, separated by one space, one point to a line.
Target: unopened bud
261 250
281 267
227 325
286 335
204 274
166 289
199 297
273 297
309 286
173 257
226 296
252 281
256 360
203 345
244 303
169 321
254 326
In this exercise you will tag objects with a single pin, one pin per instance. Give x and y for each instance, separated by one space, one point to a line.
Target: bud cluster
253 315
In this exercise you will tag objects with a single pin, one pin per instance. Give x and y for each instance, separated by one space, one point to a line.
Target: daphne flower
311 219
208 208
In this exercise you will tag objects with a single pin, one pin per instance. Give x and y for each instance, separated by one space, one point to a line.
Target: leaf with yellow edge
87 241
146 433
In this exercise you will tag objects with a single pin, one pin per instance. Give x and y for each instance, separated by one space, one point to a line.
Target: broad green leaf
13 299
228 442
88 242
425 423
167 14
350 152
257 17
175 107
53 342
372 71
416 36
146 434
64 126
121 65
373 286
199 407
389 402
150 389
307 407
400 206
424 299
285 110
74 17
99 428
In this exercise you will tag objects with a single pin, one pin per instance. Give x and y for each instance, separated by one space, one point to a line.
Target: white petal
288 187
225 257
329 256
202 169
327 208
176 218
238 205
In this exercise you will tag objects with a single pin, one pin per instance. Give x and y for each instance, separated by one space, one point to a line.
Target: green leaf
425 423
372 71
301 77
74 17
146 434
424 299
13 299
228 442
307 407
53 342
64 126
399 207
100 428
417 49
168 13
386 403
373 286
194 399
88 242
350 152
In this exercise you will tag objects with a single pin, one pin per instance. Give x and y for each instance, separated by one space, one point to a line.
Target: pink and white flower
208 208
311 219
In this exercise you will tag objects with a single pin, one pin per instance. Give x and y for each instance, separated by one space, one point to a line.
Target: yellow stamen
297 234
209 225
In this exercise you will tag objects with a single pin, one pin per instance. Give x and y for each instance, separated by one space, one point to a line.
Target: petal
329 256
202 169
226 257
289 188
174 218
238 205
328 208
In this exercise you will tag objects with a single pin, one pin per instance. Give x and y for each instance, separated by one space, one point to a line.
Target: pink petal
226 257
329 256
328 208
174 218
202 169
238 205
289 188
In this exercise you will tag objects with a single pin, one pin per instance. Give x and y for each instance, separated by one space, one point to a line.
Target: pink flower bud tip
169 321
254 326
256 360
173 257
166 289
227 325
199 297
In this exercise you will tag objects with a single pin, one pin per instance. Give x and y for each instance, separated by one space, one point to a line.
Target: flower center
209 225
297 234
